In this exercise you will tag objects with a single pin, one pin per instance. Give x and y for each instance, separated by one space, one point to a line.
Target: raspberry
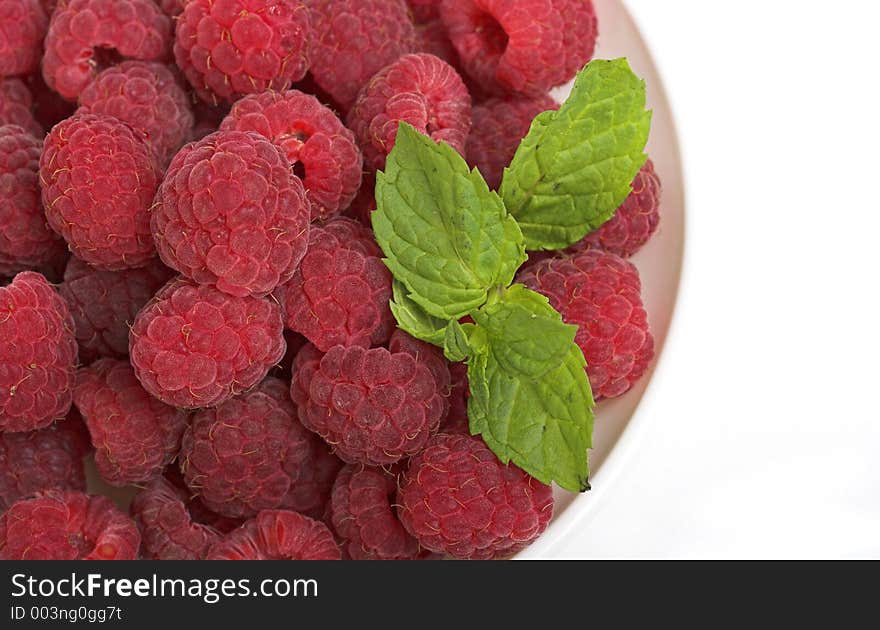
527 47
16 105
458 421
105 303
192 346
168 528
99 179
373 407
500 124
250 454
362 515
457 498
635 221
600 293
26 241
422 90
314 140
424 10
135 435
37 356
148 97
433 39
340 293
67 525
87 36
232 214
41 460
231 48
23 25
354 39
277 535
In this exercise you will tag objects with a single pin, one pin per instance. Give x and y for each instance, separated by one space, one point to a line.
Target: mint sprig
454 250
577 164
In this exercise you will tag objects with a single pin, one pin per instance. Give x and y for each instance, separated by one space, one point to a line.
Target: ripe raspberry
433 39
340 293
16 105
26 240
526 47
235 47
44 459
354 39
105 303
23 25
373 407
600 293
458 421
87 36
147 96
99 179
363 517
37 356
500 124
168 528
67 525
635 221
232 214
457 498
192 346
319 147
422 90
277 535
250 454
135 435
424 10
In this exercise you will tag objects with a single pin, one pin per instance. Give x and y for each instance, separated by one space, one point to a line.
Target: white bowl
660 264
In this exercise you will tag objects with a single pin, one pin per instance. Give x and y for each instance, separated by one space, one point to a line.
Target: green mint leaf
527 336
414 319
577 164
542 425
456 346
446 236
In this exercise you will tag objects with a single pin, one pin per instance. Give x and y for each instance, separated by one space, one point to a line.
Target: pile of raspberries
192 298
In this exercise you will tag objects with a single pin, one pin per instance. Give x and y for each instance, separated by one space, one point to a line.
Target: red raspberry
26 241
363 517
500 124
521 46
340 293
37 355
422 90
635 221
457 498
354 39
192 346
319 147
23 25
250 454
229 48
87 36
374 407
168 528
67 525
105 303
601 294
135 435
424 10
458 421
99 179
433 39
197 509
16 106
277 535
44 459
148 97
232 214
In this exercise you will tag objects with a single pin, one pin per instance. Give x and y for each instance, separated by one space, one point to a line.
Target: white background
762 436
